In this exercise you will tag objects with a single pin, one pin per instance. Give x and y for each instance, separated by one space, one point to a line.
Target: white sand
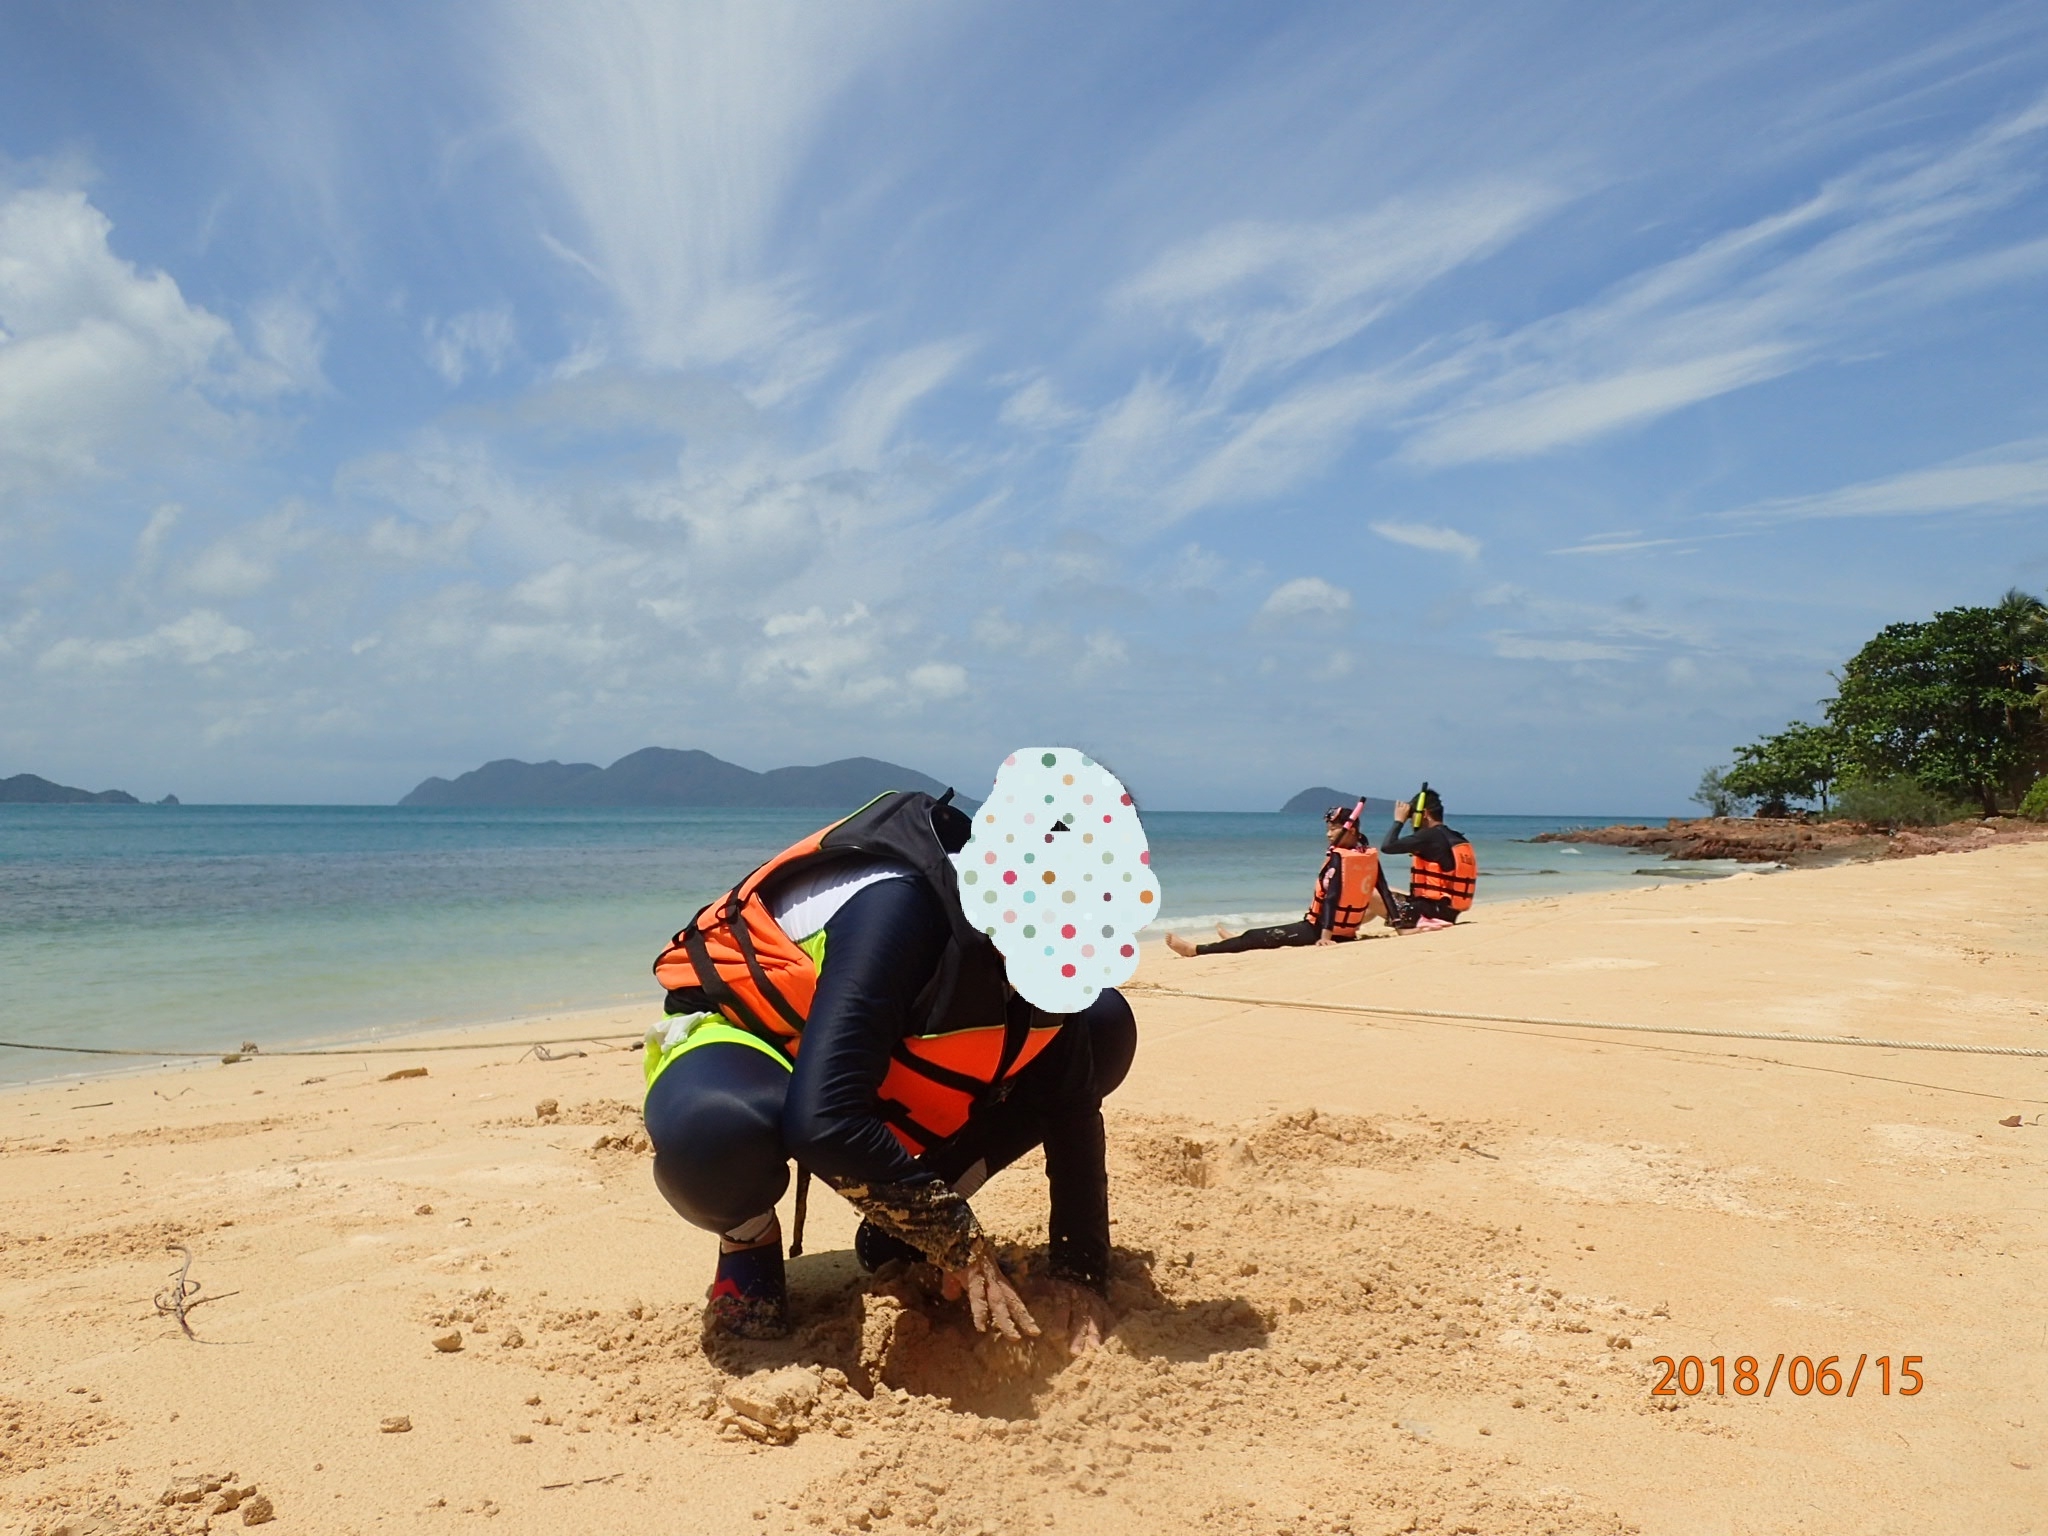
1431 1305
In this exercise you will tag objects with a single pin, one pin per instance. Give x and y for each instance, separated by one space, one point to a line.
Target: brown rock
775 1400
546 1109
397 1424
258 1511
392 1077
449 1343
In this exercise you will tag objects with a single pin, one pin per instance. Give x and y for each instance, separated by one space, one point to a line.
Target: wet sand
1376 1274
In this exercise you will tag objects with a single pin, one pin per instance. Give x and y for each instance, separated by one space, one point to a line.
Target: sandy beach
1376 1273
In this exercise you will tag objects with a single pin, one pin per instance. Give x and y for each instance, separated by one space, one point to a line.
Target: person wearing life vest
1443 870
840 1008
1343 897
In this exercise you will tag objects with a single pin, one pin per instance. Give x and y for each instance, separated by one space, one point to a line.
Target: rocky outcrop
1764 840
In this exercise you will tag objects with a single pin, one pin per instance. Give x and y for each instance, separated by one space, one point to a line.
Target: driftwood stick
182 1294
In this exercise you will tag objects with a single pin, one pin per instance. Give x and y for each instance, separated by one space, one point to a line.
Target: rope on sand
352 1050
1633 1029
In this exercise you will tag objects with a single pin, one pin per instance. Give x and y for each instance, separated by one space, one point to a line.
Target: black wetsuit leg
715 1118
1281 936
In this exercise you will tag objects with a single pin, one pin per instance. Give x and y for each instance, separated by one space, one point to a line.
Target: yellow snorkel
1415 814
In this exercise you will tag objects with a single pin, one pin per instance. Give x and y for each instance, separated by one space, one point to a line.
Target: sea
197 928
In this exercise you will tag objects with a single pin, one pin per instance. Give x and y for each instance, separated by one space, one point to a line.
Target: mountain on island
1313 802
29 789
663 776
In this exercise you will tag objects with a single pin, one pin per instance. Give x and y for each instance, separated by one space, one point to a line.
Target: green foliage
1953 703
1897 801
2035 806
1800 763
1715 795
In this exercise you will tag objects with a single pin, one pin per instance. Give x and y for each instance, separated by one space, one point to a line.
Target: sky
1539 400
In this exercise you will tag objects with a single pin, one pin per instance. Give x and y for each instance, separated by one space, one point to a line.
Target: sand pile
1260 1312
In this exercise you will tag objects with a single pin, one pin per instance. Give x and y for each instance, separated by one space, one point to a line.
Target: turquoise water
199 927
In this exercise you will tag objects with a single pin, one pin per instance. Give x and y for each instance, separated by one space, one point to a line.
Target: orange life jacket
969 1035
1432 882
1358 871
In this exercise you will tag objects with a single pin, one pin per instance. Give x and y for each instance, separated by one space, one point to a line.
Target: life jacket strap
736 925
715 986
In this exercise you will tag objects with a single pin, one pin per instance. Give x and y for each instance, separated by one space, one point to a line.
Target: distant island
1313 802
30 789
664 776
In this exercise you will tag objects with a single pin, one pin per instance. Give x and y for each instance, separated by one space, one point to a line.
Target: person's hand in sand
1079 1316
991 1300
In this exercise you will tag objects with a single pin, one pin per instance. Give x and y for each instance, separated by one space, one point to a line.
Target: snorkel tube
1415 808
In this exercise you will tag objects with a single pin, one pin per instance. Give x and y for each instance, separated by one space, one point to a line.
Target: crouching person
904 1004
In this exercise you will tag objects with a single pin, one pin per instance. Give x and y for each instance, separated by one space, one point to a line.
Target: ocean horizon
198 927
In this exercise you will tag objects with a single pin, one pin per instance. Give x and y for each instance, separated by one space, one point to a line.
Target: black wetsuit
726 1120
1432 845
1290 935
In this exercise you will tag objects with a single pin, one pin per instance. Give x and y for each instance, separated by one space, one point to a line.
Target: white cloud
97 359
843 661
675 133
2014 479
1305 594
477 341
1290 441
1618 544
1265 296
416 542
286 345
1036 406
1134 445
1167 456
874 407
1513 647
938 679
1103 652
1752 304
149 543
201 636
247 560
1552 417
1443 541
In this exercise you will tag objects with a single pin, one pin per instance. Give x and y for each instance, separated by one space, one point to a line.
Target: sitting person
1344 895
1443 871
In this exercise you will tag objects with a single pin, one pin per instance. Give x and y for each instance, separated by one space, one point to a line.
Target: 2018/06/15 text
1802 1375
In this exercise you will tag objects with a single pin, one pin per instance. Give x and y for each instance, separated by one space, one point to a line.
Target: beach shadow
894 1331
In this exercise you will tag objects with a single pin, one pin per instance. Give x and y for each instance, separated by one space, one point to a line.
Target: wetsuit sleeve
881 948
1431 844
1077 1178
1328 883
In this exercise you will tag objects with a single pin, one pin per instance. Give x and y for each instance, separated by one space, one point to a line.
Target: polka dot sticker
1061 965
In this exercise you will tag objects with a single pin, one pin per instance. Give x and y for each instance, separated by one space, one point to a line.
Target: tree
1802 762
1715 795
1954 703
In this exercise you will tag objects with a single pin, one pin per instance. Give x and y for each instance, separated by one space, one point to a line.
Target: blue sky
1537 399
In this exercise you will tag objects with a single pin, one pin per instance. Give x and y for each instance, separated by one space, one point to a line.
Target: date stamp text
1801 1375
